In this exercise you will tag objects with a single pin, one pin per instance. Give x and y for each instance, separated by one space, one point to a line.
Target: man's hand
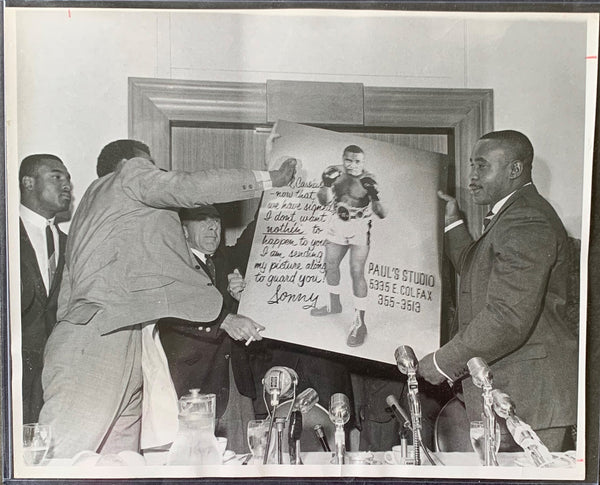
452 211
330 176
285 173
427 370
269 146
236 284
240 327
371 187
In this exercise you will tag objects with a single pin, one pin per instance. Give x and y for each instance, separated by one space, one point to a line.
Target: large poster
347 258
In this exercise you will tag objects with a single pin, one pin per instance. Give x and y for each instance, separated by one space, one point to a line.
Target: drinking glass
36 441
258 430
477 435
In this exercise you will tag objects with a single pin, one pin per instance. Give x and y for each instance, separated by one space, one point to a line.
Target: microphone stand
276 394
522 433
339 413
280 424
415 413
340 444
482 378
407 364
489 427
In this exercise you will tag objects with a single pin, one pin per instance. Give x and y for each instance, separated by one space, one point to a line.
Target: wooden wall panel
201 148
431 143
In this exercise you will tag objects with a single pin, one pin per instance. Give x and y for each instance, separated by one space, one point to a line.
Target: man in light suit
127 265
45 186
513 288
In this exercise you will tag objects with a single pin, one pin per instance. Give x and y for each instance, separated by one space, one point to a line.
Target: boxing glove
371 187
330 176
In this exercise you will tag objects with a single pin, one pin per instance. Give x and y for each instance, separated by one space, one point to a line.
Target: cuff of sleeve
439 369
452 359
264 178
453 225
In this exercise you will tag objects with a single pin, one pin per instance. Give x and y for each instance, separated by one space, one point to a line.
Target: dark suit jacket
511 311
199 358
38 316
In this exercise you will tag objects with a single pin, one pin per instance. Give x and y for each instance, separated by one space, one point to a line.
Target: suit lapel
522 192
28 256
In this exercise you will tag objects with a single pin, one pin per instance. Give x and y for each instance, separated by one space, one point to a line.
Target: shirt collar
199 254
33 218
498 205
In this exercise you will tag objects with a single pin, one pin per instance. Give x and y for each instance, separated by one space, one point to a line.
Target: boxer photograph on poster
355 197
344 257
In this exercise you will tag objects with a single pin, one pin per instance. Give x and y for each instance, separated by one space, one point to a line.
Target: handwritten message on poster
347 258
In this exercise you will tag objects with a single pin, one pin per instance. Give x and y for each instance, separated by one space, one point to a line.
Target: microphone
279 382
306 400
320 434
480 372
339 409
401 415
406 360
339 413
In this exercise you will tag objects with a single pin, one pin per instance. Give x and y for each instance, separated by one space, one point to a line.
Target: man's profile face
49 189
354 163
489 175
204 235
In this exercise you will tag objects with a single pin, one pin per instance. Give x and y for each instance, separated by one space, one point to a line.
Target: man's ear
185 231
28 182
516 169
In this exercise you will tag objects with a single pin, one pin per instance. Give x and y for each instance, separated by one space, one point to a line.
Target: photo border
593 316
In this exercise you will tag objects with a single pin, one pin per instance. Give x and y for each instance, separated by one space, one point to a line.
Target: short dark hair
516 142
116 151
352 149
199 213
32 163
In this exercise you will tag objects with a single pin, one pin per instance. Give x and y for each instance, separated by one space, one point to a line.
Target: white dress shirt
199 254
35 226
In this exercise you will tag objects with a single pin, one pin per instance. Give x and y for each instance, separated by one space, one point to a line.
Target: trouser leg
88 379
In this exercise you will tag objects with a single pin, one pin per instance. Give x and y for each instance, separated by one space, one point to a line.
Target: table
322 458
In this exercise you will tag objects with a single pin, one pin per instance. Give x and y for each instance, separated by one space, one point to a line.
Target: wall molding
155 104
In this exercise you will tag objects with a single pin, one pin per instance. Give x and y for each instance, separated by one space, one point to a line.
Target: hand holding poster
347 258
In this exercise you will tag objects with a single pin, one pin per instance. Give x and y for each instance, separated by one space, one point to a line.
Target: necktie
51 254
210 264
487 219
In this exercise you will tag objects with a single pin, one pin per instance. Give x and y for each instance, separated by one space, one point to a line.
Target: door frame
156 104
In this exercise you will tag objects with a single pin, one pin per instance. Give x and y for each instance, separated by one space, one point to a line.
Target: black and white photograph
298 242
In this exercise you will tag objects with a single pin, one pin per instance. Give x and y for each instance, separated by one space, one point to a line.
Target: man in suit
513 287
212 356
126 266
45 186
